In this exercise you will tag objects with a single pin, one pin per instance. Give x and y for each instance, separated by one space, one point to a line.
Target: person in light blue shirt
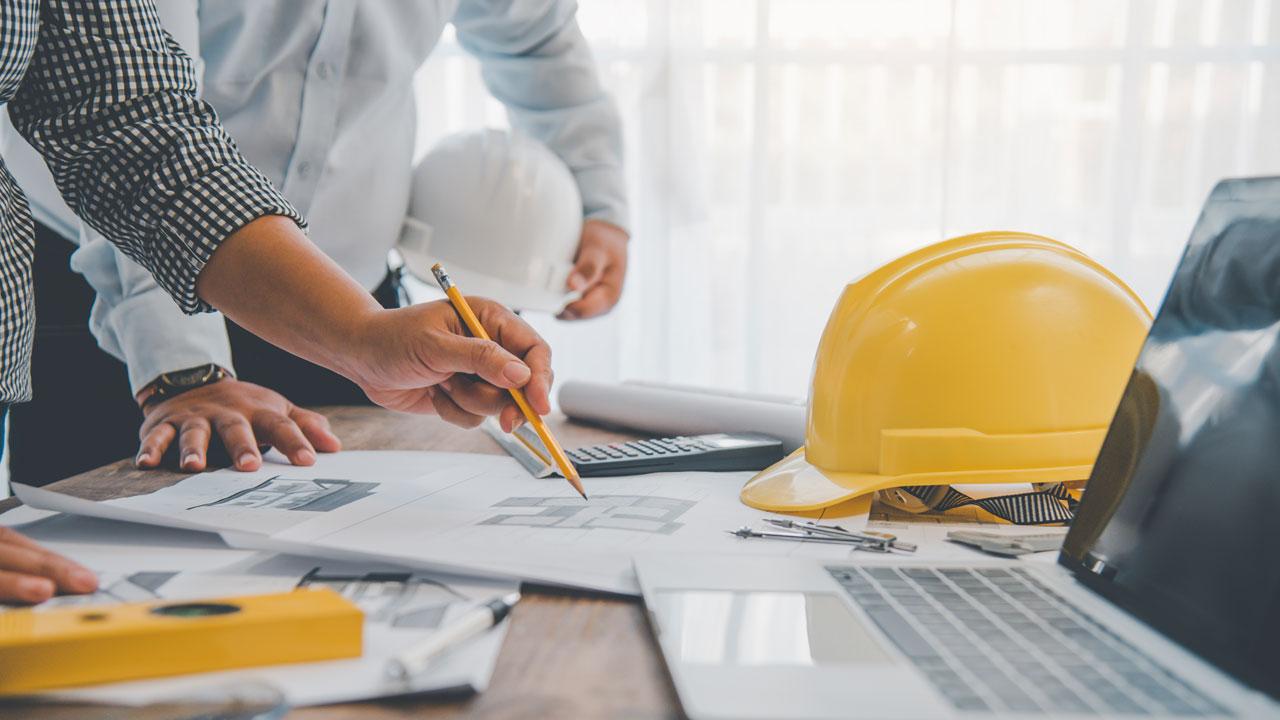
319 97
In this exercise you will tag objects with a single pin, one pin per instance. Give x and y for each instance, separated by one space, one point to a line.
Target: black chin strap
1052 506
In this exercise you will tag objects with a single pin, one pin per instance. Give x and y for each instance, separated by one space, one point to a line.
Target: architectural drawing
278 493
137 587
639 513
400 600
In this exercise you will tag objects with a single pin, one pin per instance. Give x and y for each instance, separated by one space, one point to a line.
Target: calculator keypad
656 447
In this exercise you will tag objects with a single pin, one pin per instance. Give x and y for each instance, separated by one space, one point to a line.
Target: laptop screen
1180 523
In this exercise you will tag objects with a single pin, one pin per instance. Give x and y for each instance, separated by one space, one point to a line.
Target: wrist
360 345
174 383
612 228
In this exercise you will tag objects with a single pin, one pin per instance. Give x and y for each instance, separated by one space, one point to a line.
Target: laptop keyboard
997 640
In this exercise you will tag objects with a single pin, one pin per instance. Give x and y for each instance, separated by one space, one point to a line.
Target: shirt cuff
156 338
206 213
604 196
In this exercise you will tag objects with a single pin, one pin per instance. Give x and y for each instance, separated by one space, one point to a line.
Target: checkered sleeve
110 101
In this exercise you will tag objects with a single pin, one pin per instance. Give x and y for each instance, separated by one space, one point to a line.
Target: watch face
191 377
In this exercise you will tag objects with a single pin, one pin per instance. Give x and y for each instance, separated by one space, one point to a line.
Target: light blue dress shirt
319 96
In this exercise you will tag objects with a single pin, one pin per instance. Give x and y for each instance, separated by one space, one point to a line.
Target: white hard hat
502 213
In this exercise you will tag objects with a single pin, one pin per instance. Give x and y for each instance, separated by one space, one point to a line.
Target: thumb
488 359
588 269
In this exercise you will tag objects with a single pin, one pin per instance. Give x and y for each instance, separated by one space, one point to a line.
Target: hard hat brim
513 295
793 485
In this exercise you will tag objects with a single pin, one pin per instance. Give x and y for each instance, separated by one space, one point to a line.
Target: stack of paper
461 513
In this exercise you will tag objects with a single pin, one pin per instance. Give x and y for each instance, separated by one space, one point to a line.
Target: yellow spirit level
41 649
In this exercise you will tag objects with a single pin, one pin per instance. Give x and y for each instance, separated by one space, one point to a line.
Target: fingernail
568 315
247 459
576 281
516 372
306 457
190 459
143 457
83 579
35 589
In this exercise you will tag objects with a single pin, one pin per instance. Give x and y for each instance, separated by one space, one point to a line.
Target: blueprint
637 513
118 588
305 495
459 513
397 599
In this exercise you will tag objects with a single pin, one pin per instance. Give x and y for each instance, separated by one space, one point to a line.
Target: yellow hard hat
997 357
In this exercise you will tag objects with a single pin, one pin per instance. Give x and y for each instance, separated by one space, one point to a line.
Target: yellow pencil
473 324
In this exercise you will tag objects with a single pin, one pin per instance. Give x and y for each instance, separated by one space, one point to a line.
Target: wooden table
565 656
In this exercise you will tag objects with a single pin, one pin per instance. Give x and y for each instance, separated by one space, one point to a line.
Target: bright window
778 149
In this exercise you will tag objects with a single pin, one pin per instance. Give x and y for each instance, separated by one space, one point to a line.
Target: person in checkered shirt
109 101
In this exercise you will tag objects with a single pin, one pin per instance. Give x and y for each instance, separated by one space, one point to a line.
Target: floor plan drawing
639 513
402 600
136 587
308 495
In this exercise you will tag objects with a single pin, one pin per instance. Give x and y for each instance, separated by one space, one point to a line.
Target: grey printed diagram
304 494
637 513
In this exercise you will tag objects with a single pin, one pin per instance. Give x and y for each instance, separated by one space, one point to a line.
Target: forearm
271 280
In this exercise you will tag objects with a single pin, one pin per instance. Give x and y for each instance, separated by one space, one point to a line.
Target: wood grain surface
565 656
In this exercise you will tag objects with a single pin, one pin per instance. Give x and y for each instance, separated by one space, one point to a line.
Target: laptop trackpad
752 628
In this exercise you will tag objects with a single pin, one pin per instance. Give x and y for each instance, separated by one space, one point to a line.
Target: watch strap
165 386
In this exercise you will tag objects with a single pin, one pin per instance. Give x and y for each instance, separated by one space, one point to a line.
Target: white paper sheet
684 410
465 513
141 562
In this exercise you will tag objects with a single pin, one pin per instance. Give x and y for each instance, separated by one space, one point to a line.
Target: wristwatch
175 383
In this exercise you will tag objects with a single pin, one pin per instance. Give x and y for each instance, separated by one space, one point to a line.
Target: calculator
708 453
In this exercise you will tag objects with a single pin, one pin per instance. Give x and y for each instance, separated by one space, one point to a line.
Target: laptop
1164 601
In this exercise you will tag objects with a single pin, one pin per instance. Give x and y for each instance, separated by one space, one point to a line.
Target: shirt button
304 169
324 70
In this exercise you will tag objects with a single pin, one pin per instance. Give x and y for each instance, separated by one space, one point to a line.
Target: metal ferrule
442 276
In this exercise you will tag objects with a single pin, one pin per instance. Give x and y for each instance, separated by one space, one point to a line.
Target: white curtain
779 149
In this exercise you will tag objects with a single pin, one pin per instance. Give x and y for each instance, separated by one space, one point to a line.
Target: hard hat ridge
502 211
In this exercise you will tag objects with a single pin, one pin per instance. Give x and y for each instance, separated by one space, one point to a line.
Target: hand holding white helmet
502 212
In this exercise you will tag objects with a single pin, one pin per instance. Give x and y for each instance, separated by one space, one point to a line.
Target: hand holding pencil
431 364
531 414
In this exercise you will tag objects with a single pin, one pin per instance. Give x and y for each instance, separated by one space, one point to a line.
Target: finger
19 588
475 397
316 427
588 268
68 576
538 390
9 536
237 436
449 411
193 443
286 436
597 301
154 444
510 418
413 400
486 358
518 337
